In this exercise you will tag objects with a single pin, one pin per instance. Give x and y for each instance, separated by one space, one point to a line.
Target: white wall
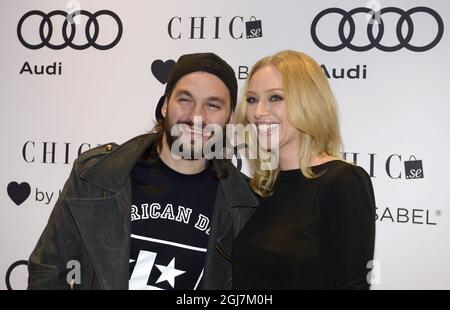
400 108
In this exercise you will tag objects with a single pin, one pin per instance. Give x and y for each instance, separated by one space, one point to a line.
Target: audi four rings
68 38
404 41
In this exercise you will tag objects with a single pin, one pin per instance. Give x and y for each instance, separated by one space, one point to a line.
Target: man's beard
194 151
171 139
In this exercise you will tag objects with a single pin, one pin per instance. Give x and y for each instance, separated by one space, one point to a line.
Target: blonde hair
311 109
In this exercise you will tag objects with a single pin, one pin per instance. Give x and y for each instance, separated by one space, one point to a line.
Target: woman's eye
276 98
251 100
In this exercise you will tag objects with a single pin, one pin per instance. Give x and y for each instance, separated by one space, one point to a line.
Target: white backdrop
398 106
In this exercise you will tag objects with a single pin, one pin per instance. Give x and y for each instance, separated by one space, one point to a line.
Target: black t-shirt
310 234
170 216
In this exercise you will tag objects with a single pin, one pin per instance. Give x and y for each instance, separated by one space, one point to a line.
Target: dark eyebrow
183 92
217 99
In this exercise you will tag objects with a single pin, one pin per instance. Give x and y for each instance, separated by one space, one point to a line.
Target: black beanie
207 62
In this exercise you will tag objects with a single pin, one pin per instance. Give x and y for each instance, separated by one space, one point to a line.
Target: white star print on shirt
169 272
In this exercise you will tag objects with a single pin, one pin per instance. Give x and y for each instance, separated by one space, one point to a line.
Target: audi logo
68 38
404 41
10 270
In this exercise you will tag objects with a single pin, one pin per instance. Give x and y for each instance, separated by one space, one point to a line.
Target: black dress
311 233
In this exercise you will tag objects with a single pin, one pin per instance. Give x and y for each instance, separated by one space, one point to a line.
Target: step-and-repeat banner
70 82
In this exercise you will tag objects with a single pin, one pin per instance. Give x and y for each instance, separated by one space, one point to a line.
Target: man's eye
213 106
183 99
276 98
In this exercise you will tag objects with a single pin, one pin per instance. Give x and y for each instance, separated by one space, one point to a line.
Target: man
137 215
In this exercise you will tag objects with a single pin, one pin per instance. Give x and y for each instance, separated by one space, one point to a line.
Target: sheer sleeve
352 229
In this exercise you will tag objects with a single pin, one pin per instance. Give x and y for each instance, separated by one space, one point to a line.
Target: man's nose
196 112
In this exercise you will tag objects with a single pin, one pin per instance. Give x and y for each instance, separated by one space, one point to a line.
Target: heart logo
161 69
19 192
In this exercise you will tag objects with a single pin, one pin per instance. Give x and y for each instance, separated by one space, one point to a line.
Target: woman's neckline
312 167
286 175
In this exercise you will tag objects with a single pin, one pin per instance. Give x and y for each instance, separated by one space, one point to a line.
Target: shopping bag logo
253 28
413 168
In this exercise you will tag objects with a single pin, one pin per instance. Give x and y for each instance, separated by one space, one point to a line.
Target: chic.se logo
393 166
216 27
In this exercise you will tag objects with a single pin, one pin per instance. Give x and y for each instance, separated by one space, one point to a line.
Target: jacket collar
112 171
236 190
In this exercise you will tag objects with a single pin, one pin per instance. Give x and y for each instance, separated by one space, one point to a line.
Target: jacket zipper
228 285
93 280
221 251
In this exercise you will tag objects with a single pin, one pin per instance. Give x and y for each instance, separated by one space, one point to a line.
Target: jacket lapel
233 191
234 205
113 170
104 223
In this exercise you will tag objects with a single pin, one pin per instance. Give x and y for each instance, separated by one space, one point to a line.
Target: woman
315 225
